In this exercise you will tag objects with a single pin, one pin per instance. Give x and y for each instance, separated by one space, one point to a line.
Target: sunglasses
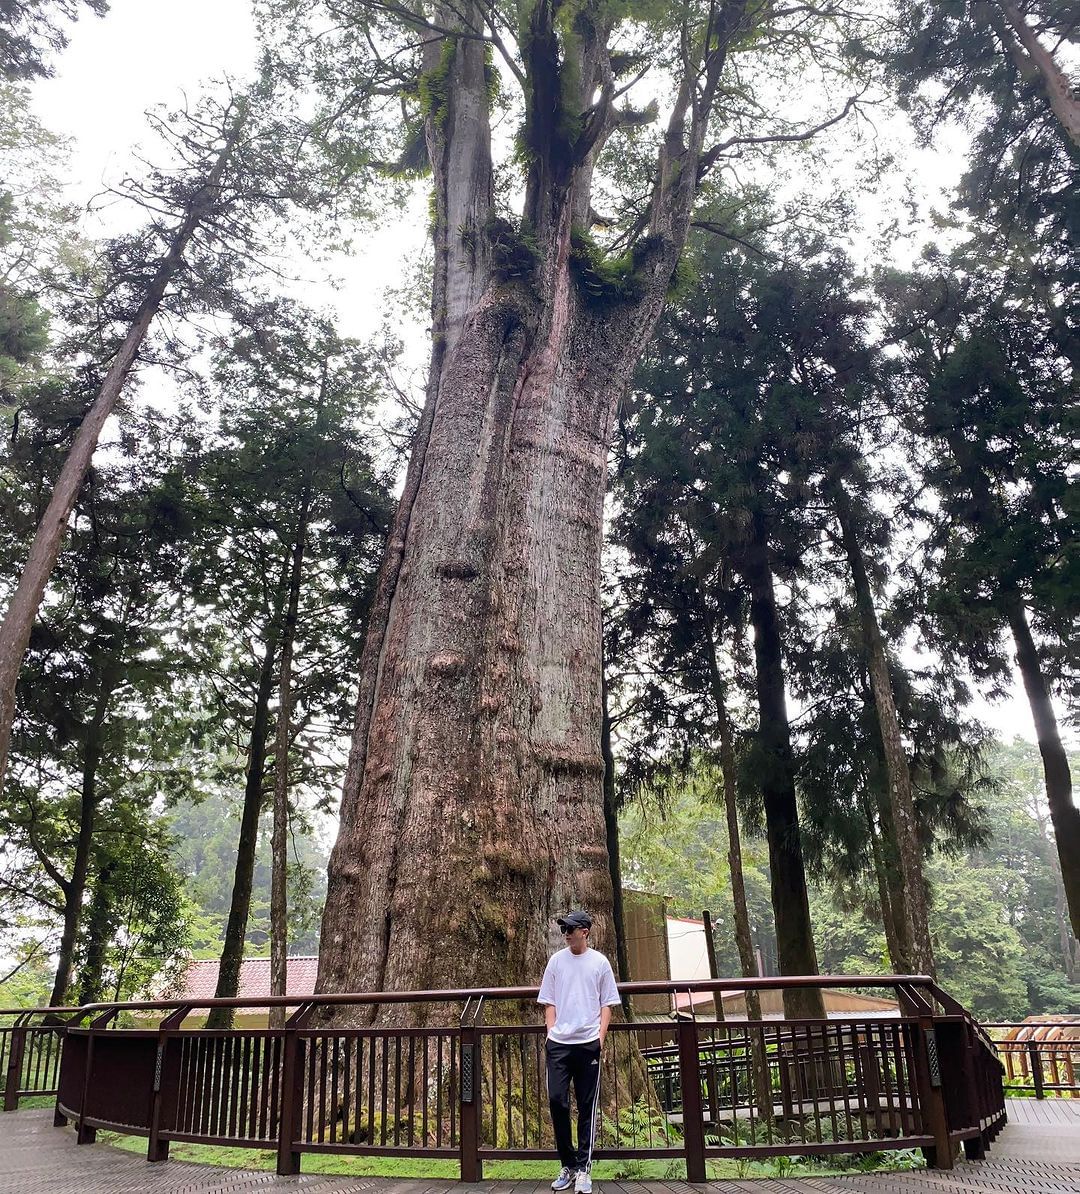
567 932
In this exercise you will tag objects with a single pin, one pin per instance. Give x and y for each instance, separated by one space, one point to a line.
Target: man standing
578 993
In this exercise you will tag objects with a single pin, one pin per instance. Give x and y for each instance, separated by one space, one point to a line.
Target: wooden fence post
292 1091
156 1148
14 1067
693 1118
470 1086
84 1133
1036 1069
928 1080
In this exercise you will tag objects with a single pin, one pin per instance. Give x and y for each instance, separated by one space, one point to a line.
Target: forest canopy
679 516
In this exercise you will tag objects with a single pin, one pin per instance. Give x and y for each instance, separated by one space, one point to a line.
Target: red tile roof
200 979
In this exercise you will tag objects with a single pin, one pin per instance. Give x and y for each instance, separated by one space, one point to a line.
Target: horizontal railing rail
1041 1057
460 1075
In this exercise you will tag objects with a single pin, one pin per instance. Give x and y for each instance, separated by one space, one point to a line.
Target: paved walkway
1037 1153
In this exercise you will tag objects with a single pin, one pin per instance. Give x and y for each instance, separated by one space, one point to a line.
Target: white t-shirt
578 985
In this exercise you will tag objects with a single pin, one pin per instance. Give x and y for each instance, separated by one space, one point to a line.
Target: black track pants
581 1065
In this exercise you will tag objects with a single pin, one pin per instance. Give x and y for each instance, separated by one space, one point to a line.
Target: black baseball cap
575 920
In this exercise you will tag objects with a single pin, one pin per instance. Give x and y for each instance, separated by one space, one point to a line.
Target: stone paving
1037 1153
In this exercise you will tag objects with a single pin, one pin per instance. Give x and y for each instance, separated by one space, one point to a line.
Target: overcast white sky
147 52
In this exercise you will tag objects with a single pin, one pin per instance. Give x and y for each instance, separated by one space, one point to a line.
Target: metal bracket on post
931 1097
933 1062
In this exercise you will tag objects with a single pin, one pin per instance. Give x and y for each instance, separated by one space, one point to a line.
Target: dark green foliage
31 31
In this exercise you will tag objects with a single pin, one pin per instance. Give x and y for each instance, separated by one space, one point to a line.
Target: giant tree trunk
232 945
478 770
45 548
791 907
473 805
1064 815
901 803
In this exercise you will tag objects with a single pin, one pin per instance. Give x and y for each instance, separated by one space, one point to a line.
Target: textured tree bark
232 945
1064 815
75 888
476 766
795 949
901 804
473 807
1055 81
483 771
45 548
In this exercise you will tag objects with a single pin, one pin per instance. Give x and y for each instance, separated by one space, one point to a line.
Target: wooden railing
1041 1057
427 1074
31 1042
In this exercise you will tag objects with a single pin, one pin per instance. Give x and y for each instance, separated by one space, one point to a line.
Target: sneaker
565 1179
583 1182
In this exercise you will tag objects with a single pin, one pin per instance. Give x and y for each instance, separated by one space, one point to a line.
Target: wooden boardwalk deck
1038 1153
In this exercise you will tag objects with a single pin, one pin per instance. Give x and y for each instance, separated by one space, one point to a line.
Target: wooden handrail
647 987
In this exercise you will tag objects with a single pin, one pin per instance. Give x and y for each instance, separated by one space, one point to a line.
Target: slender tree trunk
894 917
611 833
45 548
901 796
795 949
1063 102
744 940
279 928
75 889
98 925
743 937
1066 941
232 945
1064 815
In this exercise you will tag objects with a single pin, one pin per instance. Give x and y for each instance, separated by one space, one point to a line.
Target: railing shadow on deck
422 1074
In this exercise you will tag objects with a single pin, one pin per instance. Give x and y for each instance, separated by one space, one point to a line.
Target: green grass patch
508 1171
36 1102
